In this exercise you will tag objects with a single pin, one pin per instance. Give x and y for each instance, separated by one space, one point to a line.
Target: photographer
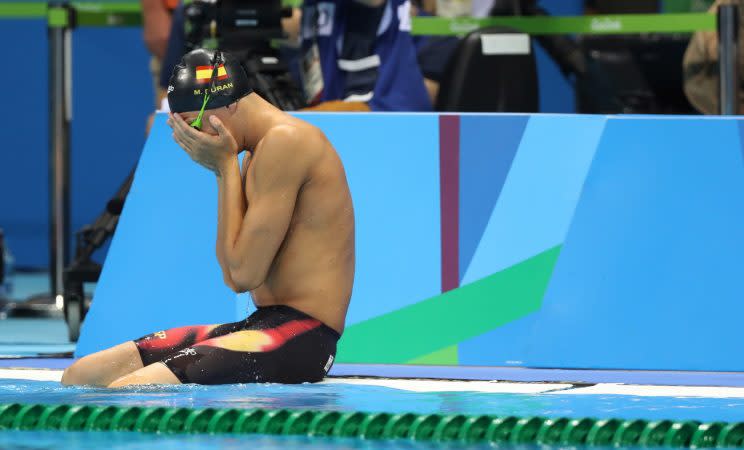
358 55
355 55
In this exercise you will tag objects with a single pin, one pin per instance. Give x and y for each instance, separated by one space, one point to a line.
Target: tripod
83 269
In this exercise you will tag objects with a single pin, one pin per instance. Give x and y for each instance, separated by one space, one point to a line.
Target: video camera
235 25
246 29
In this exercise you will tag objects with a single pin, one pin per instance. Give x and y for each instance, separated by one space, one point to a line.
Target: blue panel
161 270
504 346
741 136
112 99
24 157
488 144
392 164
538 200
556 93
654 251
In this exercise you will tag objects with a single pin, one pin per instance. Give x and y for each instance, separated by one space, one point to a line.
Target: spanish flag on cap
204 73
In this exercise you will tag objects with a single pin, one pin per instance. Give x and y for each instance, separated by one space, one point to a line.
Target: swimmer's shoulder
297 142
296 148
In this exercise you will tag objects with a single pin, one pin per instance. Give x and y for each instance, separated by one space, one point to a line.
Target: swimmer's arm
226 186
220 246
252 236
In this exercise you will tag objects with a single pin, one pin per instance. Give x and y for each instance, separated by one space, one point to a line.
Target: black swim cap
192 76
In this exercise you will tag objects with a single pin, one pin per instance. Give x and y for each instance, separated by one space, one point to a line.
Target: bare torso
313 270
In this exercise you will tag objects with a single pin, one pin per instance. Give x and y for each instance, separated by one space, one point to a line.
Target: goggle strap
197 123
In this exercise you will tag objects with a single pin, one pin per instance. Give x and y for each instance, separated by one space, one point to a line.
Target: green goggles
197 123
216 61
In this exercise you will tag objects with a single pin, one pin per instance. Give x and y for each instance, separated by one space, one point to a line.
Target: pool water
340 397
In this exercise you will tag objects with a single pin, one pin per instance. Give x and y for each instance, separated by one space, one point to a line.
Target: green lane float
454 428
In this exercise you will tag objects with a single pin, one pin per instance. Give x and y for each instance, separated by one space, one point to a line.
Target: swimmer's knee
84 371
101 368
75 375
157 373
121 382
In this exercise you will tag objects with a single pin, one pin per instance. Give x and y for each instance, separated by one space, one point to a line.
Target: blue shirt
397 83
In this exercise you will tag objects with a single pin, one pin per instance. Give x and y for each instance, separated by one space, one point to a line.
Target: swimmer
285 233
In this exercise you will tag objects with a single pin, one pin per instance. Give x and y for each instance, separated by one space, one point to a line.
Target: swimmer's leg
157 373
101 368
277 350
104 367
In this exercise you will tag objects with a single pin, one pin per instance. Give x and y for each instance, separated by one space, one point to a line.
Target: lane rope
377 426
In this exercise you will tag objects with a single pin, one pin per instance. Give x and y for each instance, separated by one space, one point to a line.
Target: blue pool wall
644 214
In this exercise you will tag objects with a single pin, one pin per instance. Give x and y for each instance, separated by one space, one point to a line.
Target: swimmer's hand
213 152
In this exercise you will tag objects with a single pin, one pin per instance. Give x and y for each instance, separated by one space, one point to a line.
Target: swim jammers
275 344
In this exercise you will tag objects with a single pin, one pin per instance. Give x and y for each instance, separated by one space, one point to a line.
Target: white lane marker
656 391
428 385
31 374
488 387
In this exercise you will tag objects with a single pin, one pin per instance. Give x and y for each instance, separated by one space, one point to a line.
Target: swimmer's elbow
244 281
247 273
242 288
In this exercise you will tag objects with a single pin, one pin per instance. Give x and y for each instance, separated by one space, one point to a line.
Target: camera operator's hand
156 27
214 152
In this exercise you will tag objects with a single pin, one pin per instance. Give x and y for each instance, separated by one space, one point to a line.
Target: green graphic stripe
453 428
450 318
444 357
128 14
617 24
22 10
106 8
57 18
95 19
118 14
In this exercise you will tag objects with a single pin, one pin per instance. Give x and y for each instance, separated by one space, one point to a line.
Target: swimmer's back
313 270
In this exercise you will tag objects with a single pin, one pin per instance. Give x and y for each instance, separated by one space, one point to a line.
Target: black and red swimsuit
275 344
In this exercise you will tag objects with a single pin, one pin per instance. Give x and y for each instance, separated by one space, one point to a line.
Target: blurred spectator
358 55
434 52
175 49
156 17
701 66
